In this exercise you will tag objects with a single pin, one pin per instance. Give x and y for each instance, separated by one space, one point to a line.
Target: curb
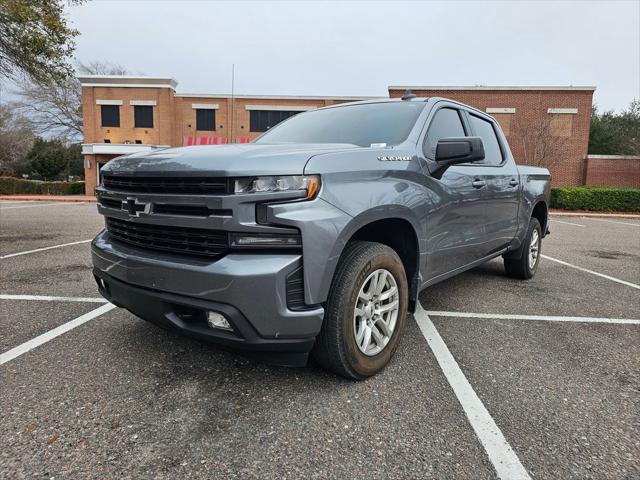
48 198
582 214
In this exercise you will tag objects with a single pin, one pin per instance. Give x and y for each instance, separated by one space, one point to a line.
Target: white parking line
582 269
43 249
51 334
567 223
44 298
614 221
501 455
547 318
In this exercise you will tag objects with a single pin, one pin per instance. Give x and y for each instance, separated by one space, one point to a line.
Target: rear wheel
366 311
523 263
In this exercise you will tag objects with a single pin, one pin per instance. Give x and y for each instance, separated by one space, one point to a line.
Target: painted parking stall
493 378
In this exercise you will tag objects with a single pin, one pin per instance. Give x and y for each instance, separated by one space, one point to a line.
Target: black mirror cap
453 151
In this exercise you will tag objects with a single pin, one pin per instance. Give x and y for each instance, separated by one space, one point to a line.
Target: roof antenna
408 95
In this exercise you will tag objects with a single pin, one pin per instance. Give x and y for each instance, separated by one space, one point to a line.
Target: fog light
216 320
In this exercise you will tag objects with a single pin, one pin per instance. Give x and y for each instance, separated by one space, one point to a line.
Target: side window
142 116
445 124
110 115
484 129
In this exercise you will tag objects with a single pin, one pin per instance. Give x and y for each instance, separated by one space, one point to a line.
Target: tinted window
110 115
205 119
143 116
484 129
445 124
364 124
263 120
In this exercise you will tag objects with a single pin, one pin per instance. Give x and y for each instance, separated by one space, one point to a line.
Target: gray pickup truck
317 237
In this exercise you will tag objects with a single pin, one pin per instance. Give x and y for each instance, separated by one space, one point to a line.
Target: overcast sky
359 48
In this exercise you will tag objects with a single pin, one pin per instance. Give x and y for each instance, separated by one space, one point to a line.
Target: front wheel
366 311
523 262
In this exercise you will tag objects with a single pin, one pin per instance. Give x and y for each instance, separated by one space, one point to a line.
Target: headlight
285 183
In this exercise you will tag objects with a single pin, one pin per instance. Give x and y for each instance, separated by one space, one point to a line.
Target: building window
110 115
263 120
205 119
143 116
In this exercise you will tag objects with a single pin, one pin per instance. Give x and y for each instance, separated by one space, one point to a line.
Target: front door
456 233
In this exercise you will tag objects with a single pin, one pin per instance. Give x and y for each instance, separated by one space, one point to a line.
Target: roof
127 81
275 97
494 87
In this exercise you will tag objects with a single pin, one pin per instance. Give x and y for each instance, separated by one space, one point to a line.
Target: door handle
477 183
513 182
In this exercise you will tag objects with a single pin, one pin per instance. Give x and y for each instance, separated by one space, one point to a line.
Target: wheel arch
540 211
399 231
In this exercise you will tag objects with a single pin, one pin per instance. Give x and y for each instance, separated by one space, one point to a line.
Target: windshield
364 125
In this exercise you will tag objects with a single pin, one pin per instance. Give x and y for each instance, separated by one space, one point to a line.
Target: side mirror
454 151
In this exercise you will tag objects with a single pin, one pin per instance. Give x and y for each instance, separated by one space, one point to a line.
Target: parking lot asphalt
117 397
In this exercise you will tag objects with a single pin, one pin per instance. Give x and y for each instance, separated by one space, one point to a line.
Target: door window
446 123
485 130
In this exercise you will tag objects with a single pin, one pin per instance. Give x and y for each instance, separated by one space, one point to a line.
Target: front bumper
176 292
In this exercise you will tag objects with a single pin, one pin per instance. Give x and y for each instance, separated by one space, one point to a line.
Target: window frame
492 122
213 124
102 109
463 121
135 117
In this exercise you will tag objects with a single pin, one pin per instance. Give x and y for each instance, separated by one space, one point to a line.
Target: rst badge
395 158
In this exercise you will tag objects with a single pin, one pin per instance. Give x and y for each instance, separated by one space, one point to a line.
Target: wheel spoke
381 282
383 326
386 308
389 293
366 339
377 336
359 312
360 333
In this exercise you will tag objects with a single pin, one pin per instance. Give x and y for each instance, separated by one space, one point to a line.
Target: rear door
456 233
503 183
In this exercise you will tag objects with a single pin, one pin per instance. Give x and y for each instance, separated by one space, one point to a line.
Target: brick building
124 114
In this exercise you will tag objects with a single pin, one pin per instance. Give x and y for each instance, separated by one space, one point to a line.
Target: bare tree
55 109
16 139
539 145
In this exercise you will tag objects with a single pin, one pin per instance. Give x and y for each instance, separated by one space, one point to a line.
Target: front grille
190 241
188 185
295 290
111 203
189 210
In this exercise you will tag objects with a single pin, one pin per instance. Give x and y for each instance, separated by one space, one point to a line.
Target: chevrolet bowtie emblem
135 208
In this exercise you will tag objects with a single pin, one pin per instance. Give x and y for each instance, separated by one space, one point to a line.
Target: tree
538 145
52 159
55 109
35 40
615 134
16 139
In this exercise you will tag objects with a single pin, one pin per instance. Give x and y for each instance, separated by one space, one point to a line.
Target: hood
223 160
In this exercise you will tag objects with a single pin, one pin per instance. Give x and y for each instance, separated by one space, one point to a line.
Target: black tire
517 263
336 348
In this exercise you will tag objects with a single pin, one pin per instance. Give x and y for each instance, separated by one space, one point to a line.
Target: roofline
127 81
489 87
276 97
